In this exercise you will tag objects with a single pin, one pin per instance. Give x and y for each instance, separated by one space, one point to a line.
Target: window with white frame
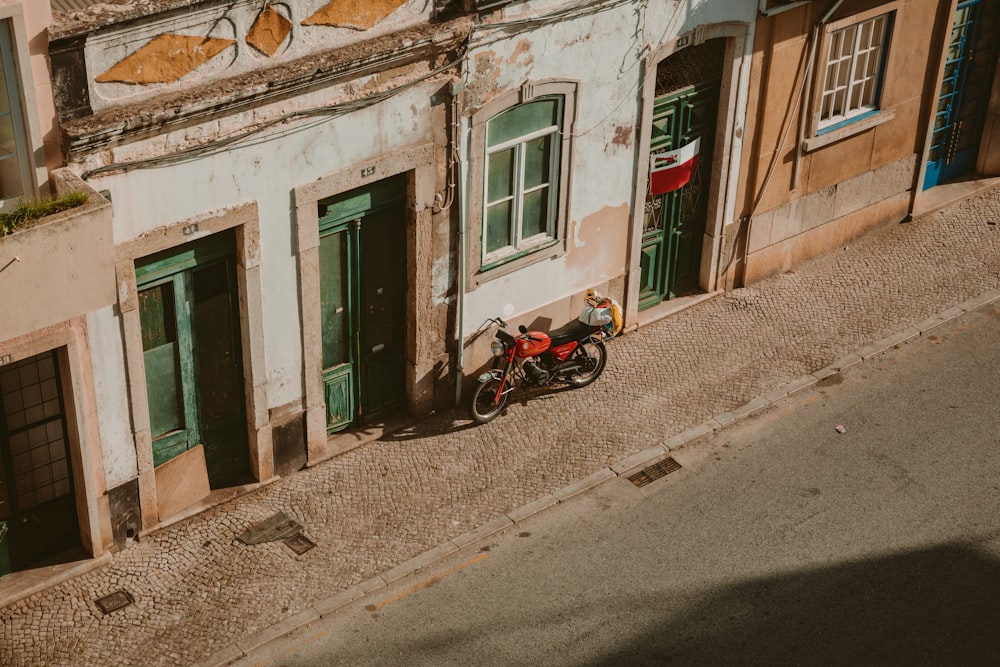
15 173
521 179
852 83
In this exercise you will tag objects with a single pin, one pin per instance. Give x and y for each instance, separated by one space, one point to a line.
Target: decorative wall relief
354 14
165 59
269 31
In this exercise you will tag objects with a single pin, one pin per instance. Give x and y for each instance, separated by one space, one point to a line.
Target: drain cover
114 602
277 527
654 472
299 544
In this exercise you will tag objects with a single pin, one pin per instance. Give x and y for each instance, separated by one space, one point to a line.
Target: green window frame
521 179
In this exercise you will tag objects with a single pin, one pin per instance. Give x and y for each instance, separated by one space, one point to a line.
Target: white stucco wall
111 388
264 169
606 51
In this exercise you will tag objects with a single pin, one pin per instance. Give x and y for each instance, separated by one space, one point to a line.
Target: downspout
764 11
460 254
803 109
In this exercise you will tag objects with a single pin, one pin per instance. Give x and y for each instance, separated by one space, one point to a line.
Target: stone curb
622 468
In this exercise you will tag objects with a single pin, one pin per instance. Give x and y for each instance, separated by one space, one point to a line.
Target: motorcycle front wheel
485 405
592 355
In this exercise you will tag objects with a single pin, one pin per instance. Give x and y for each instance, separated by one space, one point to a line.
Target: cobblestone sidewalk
199 592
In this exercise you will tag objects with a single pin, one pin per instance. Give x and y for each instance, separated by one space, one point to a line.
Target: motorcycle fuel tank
535 343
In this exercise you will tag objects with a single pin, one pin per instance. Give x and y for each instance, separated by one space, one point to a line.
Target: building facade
302 212
859 111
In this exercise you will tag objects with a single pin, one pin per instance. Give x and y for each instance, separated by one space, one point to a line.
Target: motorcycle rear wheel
481 406
594 356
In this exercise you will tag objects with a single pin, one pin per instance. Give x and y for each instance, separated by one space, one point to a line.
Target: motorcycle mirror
523 329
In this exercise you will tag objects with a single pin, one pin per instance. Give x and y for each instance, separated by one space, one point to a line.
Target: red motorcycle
573 353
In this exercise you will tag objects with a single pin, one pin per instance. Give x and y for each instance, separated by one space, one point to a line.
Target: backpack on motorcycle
602 311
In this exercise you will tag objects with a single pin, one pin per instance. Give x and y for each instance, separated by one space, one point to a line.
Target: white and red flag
672 170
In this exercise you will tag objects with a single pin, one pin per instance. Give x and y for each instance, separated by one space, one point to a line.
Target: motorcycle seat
574 330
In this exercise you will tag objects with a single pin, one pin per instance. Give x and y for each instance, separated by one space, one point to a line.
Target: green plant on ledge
27 210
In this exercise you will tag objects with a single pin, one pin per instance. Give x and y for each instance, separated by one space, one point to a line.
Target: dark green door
674 222
362 287
189 314
38 517
965 91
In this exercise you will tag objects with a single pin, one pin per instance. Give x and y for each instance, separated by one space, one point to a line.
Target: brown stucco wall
59 267
795 199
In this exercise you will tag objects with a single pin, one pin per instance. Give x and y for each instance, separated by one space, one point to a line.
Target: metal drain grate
299 543
277 527
114 602
654 472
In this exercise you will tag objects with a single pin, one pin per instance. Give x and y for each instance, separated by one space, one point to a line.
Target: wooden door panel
336 315
37 502
381 311
338 392
192 348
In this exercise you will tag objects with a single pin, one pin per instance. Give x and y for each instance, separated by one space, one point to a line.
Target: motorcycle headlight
497 348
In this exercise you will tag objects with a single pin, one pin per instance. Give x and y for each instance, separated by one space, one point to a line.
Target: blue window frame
854 71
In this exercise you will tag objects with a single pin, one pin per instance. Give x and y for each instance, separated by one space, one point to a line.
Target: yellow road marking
427 582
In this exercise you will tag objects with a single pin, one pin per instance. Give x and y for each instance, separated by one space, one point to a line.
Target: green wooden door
189 315
38 517
685 108
362 287
674 222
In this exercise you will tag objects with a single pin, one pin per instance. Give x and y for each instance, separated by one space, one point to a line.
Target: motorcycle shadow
456 419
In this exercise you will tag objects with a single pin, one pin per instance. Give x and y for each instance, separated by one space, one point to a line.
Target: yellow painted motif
269 31
165 59
358 14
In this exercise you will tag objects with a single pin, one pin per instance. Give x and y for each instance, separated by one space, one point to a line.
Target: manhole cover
654 472
114 602
277 527
299 544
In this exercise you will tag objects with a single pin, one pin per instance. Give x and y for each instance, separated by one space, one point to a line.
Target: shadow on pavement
930 607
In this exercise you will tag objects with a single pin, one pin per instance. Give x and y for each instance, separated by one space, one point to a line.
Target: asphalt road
781 540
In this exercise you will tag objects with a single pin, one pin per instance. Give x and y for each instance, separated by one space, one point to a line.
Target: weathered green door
189 314
38 517
362 286
674 222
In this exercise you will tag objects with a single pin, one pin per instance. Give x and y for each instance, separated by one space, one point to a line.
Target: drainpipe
764 11
803 109
460 254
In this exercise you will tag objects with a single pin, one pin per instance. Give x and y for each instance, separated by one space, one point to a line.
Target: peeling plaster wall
266 170
606 52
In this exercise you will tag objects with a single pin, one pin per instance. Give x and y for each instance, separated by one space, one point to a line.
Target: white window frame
481 268
829 123
520 243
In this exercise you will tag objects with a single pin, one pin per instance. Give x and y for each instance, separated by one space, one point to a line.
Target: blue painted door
965 91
